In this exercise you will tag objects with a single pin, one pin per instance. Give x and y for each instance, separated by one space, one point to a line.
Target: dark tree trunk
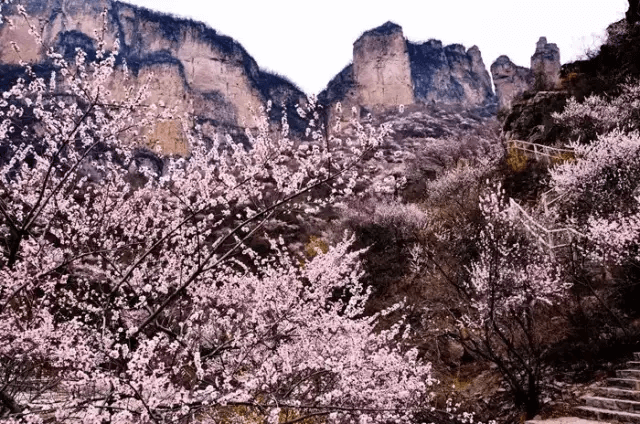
632 13
528 397
9 403
533 398
15 239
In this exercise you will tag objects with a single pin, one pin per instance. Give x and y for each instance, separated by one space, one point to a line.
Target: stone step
617 393
635 374
606 414
565 420
613 404
634 365
625 383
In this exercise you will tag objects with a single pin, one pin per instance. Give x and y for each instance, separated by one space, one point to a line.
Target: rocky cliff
512 80
194 66
545 65
450 74
388 70
381 67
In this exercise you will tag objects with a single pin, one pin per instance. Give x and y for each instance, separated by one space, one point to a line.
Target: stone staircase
619 400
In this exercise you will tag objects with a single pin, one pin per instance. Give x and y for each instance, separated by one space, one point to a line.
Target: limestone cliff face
545 64
512 80
340 88
388 71
194 67
450 74
381 68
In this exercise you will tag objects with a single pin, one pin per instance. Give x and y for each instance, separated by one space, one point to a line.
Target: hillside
411 248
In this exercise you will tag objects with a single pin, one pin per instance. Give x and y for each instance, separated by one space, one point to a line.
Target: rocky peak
511 80
388 70
450 74
456 48
541 44
545 64
381 69
478 68
388 28
475 54
434 44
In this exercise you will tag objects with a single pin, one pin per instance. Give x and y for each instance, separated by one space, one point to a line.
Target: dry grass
516 159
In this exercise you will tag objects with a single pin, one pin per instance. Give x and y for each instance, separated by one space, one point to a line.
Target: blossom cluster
602 186
512 272
597 115
128 301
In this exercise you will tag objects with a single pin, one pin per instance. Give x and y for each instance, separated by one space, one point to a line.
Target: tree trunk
533 398
632 13
528 397
15 239
9 403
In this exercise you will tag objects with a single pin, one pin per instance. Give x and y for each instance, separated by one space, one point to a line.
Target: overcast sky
309 41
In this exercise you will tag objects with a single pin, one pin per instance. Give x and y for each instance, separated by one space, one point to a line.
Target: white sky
309 41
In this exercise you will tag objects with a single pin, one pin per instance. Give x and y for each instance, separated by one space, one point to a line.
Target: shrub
516 159
597 115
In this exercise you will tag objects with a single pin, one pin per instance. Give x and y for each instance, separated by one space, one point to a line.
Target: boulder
452 352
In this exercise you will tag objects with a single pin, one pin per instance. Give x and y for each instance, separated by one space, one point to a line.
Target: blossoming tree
511 285
122 302
600 188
